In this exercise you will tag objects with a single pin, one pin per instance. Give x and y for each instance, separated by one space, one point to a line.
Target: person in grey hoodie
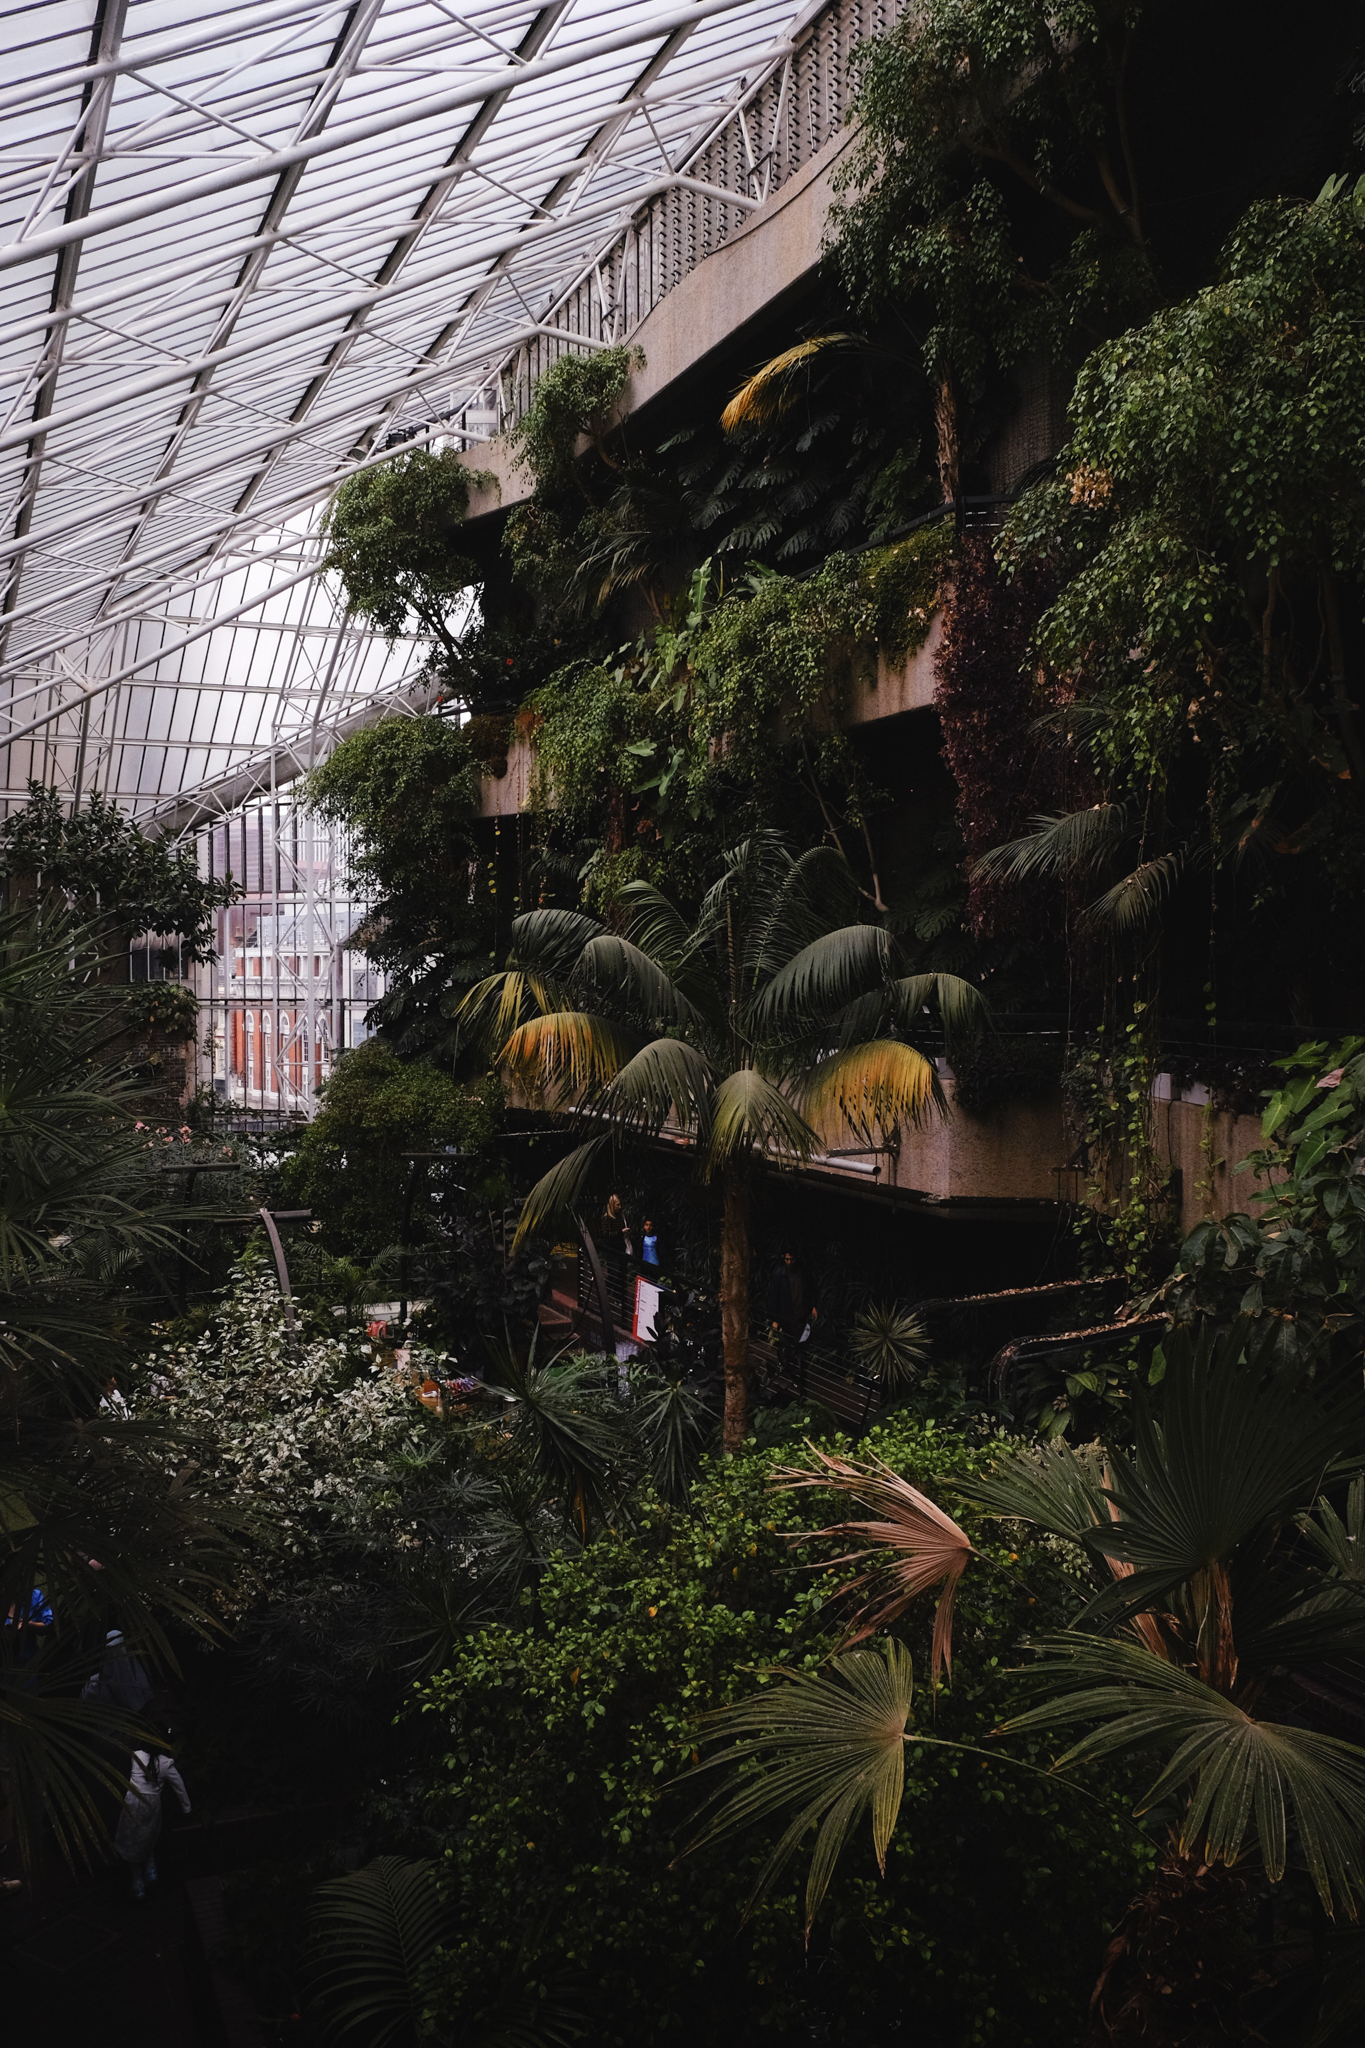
139 1824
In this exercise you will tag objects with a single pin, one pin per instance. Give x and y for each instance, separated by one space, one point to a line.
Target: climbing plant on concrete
738 695
576 399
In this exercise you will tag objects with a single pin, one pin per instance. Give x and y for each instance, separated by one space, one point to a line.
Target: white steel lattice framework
244 251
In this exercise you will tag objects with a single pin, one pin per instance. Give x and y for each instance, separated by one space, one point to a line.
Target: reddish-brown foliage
989 699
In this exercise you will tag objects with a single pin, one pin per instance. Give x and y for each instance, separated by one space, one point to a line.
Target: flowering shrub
320 1432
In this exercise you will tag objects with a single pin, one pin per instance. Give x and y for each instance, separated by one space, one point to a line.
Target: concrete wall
777 246
899 686
502 796
1007 1156
1205 1144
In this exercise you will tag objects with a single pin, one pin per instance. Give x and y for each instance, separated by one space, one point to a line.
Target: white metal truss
244 252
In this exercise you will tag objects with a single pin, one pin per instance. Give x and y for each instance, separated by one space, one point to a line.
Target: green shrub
564 1820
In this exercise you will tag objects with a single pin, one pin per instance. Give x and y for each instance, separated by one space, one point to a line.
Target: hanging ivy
743 690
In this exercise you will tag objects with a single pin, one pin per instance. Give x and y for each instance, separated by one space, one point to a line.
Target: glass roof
241 252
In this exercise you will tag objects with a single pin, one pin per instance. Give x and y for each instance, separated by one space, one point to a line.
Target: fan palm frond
915 1545
831 1746
769 393
1053 1486
1221 1469
1342 1543
1250 1775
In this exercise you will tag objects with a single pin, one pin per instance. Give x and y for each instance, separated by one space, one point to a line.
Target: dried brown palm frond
915 1544
769 392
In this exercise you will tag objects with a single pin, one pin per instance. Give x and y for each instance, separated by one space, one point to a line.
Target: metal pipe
471 256
271 162
235 28
111 682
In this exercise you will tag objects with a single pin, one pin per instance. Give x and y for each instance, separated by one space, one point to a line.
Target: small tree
407 791
742 1031
118 882
394 538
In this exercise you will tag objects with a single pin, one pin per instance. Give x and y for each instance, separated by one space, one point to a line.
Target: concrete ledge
773 249
1204 1144
898 686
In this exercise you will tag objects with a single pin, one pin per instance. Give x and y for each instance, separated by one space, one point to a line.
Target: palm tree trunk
1181 1968
734 1304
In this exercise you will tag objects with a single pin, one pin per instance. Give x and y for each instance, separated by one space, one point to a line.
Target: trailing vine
739 689
575 399
989 698
1127 1199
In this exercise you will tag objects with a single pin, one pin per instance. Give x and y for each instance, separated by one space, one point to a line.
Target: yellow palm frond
767 394
751 1114
872 1086
566 1052
494 1008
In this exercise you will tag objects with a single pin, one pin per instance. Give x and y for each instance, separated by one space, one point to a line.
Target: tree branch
1125 142
1024 170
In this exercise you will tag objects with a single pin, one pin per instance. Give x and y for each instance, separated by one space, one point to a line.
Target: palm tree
742 1031
1216 1572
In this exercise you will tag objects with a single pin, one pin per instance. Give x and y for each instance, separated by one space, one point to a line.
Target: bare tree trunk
734 1304
945 423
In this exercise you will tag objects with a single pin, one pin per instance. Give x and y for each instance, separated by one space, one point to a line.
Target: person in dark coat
791 1302
615 1228
791 1307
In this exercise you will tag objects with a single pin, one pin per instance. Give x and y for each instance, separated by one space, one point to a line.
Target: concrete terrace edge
779 244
